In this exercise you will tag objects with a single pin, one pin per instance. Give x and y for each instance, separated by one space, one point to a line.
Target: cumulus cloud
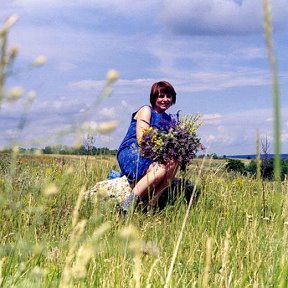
221 17
217 80
212 118
235 131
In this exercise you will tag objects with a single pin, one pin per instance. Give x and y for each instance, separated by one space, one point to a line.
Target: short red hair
162 87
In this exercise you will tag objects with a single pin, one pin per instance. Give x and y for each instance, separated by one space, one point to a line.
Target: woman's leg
153 177
171 170
156 179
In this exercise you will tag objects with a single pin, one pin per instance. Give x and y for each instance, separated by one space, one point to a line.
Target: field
235 235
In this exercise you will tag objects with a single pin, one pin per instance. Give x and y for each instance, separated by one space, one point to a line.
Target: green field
235 235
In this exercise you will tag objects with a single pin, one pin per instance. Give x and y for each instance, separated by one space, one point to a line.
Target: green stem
275 86
3 42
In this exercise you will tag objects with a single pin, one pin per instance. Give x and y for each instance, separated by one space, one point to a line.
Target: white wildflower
40 60
15 93
103 128
129 232
107 127
10 22
51 189
112 76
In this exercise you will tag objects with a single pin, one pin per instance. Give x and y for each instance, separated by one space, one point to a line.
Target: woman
150 178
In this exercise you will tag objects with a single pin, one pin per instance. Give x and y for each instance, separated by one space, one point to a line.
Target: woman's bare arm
143 118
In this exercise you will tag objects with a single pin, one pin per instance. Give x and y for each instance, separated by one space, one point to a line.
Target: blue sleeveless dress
131 163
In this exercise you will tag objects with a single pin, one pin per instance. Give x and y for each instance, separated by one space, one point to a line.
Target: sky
213 52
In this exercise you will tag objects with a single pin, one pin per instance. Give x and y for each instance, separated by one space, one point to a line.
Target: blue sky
212 51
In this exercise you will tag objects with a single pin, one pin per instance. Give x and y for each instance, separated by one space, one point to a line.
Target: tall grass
49 240
275 88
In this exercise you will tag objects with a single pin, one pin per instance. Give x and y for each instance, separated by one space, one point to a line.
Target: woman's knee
159 170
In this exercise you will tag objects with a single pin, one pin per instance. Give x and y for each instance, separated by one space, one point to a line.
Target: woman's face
163 102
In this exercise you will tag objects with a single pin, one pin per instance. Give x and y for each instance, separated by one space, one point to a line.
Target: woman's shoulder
144 110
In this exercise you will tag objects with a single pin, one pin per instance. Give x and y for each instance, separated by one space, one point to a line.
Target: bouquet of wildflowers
178 140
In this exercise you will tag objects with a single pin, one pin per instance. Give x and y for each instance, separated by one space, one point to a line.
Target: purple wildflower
176 139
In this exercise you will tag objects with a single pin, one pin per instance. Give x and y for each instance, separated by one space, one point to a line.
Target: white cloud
235 131
218 80
108 112
212 118
85 84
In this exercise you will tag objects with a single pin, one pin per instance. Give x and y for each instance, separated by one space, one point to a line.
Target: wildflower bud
112 76
40 60
107 127
102 128
10 22
51 189
129 232
15 93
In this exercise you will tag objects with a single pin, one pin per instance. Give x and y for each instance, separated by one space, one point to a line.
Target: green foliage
267 169
235 165
81 150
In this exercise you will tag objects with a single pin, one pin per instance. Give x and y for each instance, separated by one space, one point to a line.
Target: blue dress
131 163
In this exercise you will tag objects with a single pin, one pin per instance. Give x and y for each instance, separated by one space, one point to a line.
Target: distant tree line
266 168
87 148
80 150
66 150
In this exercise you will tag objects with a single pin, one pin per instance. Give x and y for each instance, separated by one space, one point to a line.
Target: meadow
235 234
